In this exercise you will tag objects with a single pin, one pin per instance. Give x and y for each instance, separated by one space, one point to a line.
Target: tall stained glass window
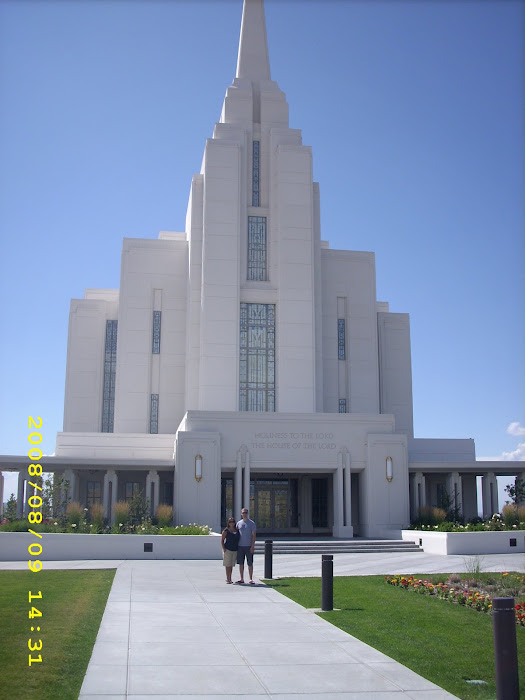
257 248
110 370
341 339
257 358
154 414
156 333
255 174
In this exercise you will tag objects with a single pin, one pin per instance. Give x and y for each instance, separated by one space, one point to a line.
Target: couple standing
238 543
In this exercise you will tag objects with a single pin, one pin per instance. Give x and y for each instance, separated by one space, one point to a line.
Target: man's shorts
244 552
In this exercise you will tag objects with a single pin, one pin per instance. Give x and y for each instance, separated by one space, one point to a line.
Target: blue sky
414 111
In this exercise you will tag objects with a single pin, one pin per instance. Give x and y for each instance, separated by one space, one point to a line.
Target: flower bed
462 595
83 527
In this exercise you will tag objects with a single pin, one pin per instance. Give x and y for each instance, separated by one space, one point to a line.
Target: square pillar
110 493
21 509
237 488
489 495
455 492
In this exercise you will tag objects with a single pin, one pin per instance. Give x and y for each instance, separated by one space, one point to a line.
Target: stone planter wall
468 542
68 547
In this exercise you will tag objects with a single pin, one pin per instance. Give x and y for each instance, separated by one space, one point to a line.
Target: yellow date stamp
35 548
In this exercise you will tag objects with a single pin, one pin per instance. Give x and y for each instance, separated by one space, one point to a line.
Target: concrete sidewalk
173 630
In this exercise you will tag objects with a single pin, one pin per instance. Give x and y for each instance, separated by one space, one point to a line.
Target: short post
327 582
505 649
268 552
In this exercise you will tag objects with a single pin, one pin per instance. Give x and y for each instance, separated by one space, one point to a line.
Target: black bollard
268 552
505 649
327 582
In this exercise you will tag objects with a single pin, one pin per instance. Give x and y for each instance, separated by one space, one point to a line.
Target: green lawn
443 642
72 605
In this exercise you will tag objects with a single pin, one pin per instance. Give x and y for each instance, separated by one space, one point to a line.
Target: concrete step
337 546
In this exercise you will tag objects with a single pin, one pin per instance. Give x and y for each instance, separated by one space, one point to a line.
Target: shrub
509 514
138 508
96 512
425 516
121 512
74 514
439 515
164 515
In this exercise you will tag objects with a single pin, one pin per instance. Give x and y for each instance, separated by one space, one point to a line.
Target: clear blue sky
414 111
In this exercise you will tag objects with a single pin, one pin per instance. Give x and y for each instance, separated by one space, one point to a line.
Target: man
246 547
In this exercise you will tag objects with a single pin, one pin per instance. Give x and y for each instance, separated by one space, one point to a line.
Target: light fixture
198 468
389 469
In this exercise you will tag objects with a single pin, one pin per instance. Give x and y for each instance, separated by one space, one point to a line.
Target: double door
274 504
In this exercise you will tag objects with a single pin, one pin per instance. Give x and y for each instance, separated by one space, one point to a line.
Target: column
489 495
156 490
109 499
105 495
418 493
152 480
305 504
20 504
455 492
246 492
70 475
338 497
237 487
348 490
1 496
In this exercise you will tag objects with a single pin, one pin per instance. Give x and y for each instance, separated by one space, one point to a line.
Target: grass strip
445 643
72 605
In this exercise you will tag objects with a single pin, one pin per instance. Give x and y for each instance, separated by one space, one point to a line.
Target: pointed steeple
253 62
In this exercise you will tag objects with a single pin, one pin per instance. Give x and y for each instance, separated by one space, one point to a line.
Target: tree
516 491
10 510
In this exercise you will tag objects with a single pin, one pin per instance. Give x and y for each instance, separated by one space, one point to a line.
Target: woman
230 543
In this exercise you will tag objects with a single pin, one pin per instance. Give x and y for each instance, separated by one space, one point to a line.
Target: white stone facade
250 309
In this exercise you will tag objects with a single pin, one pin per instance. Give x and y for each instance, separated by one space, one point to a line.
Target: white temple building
245 362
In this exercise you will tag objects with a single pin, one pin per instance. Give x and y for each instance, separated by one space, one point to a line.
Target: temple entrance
274 504
284 505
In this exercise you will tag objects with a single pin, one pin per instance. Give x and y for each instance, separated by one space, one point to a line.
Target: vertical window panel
257 248
342 405
257 358
341 339
110 369
156 332
154 414
255 174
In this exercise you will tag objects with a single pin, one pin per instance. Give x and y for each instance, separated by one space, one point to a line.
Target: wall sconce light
389 469
198 468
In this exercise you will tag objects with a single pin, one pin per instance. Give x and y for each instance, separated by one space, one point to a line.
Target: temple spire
253 62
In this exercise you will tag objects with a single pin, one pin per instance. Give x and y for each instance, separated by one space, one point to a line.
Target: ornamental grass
121 511
164 515
96 512
74 514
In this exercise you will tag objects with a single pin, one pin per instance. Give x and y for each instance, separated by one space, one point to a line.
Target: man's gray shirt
246 527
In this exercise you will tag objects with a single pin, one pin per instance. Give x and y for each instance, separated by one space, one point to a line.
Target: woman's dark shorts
244 552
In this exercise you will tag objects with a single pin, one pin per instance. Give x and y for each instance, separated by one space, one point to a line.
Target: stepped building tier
243 362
